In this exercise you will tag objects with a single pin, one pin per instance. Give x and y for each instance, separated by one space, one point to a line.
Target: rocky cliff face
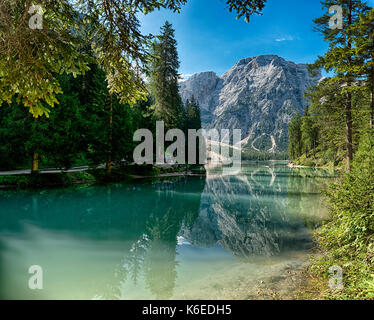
259 95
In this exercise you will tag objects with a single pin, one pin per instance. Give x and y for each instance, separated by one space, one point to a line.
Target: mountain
259 95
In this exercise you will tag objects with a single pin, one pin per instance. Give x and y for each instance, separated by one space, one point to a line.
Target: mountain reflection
250 214
121 241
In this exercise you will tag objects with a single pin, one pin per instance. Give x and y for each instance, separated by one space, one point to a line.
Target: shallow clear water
214 237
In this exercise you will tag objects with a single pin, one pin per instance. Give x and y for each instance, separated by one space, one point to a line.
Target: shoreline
292 165
63 179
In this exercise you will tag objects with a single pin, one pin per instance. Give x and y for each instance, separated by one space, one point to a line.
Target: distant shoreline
53 178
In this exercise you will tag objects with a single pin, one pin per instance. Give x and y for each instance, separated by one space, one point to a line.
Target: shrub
348 238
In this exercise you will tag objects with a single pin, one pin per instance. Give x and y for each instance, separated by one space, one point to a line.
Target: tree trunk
35 163
349 133
109 160
35 159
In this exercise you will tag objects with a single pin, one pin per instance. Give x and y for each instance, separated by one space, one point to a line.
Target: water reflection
147 240
263 211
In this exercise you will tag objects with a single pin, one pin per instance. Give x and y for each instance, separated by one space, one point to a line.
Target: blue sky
211 39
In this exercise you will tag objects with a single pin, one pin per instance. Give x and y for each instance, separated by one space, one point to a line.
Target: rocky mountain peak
259 95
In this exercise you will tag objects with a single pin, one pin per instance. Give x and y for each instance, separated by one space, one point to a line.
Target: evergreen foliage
30 58
341 57
295 137
164 77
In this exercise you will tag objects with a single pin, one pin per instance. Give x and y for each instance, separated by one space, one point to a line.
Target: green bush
348 238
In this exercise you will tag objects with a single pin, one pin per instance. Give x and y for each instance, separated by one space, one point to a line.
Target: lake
241 235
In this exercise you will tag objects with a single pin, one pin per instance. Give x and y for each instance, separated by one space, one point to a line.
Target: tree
30 58
192 121
61 138
58 141
246 8
295 137
309 133
341 57
108 124
326 100
364 44
164 76
347 239
193 116
143 115
15 129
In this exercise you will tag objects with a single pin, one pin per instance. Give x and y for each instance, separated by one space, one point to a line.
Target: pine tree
295 138
144 115
364 44
341 57
61 137
192 121
57 141
193 117
326 100
108 123
309 133
164 79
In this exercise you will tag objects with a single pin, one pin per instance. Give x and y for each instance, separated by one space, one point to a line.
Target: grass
358 279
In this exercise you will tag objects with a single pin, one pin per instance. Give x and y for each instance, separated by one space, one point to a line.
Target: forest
91 126
336 131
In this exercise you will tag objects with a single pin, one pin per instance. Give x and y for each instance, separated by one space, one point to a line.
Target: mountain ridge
259 95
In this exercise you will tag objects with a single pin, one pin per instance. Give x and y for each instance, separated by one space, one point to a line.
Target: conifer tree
326 101
164 79
340 57
309 133
108 123
295 137
192 121
193 116
31 57
364 44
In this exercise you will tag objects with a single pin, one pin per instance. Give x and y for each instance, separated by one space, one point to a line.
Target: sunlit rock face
259 95
205 87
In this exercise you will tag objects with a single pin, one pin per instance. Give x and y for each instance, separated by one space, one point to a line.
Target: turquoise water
213 237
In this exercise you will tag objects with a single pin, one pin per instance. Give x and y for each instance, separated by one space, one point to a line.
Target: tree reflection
145 218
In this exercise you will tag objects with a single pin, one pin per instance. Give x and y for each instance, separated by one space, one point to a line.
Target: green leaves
30 59
246 8
164 78
348 238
